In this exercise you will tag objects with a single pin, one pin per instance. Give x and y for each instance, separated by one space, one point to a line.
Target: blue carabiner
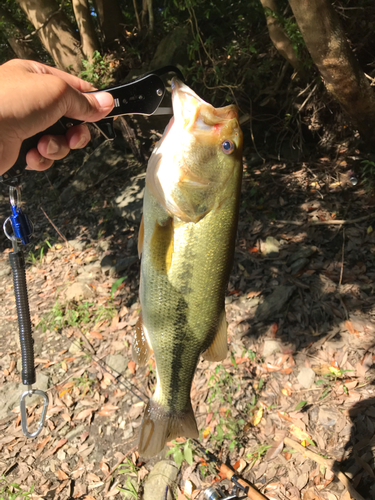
21 225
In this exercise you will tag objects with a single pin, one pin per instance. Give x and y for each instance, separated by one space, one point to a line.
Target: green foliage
222 387
83 381
300 405
291 29
97 71
258 453
127 468
131 471
33 257
328 381
229 429
130 489
71 314
368 174
116 284
181 452
13 491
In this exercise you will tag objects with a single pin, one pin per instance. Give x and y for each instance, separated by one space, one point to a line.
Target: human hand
33 97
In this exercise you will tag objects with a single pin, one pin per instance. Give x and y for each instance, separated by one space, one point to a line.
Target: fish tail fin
160 426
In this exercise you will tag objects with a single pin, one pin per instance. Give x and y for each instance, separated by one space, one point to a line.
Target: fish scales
187 255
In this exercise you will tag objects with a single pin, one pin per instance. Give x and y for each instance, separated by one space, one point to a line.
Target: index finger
72 80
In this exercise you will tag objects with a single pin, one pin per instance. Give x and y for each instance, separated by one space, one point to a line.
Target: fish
186 242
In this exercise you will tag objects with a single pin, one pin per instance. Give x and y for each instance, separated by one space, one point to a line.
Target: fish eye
227 147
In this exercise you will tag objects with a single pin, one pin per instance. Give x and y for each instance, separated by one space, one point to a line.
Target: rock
172 49
5 361
327 417
10 394
104 245
87 272
270 346
302 253
123 264
274 303
77 244
117 362
9 397
75 347
78 291
298 265
107 263
162 475
5 271
306 377
128 432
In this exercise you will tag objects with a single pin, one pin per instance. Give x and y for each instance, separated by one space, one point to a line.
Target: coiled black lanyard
21 232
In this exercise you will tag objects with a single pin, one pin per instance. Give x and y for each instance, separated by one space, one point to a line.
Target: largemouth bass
186 239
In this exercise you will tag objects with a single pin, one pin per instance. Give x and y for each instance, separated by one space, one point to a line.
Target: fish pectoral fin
141 235
141 349
160 426
218 350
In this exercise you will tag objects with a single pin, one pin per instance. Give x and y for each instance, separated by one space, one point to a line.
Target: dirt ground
291 408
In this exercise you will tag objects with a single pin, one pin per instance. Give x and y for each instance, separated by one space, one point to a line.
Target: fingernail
81 143
41 159
52 147
104 99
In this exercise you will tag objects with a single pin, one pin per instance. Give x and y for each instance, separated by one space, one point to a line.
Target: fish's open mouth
190 111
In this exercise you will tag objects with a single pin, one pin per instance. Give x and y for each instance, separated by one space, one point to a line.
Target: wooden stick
329 463
251 492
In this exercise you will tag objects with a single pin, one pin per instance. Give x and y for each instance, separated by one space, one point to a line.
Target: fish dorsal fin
141 348
162 245
218 350
141 235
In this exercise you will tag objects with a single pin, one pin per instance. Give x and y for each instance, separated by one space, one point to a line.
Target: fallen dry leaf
311 494
107 410
299 433
61 475
104 468
84 414
132 367
257 417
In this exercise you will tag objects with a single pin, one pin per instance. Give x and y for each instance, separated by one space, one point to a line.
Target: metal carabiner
24 395
14 196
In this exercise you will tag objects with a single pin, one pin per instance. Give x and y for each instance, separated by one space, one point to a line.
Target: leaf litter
291 408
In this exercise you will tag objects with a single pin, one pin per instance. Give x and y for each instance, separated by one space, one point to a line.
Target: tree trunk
330 51
55 32
278 36
20 47
137 15
110 19
89 40
147 9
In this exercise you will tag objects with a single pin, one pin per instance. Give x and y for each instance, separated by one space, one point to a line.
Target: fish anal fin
141 235
160 426
162 245
218 349
141 349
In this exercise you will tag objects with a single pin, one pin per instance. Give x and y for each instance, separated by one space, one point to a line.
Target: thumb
89 107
